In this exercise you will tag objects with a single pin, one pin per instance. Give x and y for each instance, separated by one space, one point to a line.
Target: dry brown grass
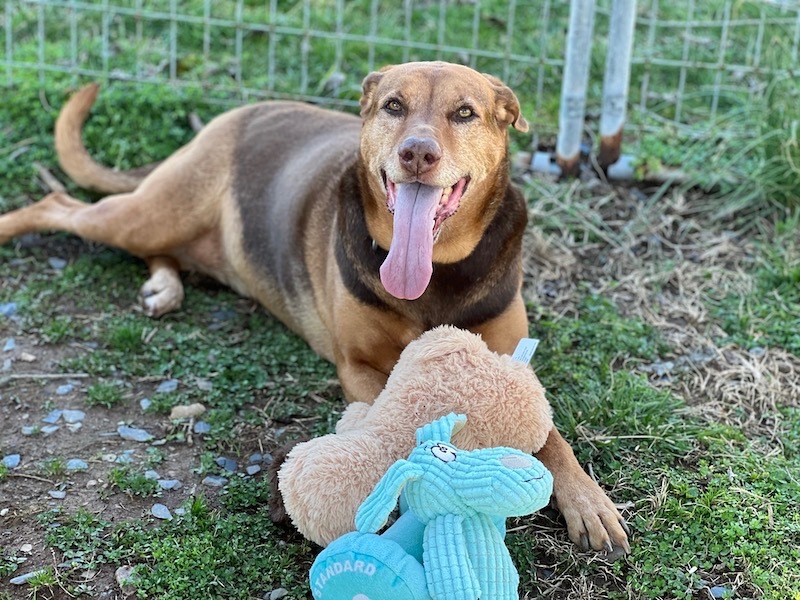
661 260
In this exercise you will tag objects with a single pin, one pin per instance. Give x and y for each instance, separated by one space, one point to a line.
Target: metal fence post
616 80
573 87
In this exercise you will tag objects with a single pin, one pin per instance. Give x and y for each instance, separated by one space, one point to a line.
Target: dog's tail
74 158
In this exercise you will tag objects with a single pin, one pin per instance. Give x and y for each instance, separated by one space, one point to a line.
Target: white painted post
574 85
615 82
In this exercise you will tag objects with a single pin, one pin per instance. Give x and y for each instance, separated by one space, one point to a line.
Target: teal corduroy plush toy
448 542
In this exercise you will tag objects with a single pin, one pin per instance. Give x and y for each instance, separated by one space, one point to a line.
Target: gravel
12 461
170 385
159 511
133 434
77 464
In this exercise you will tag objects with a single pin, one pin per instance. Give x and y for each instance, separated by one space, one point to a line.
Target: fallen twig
49 179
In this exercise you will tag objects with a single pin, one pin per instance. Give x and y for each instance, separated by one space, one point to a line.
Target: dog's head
434 143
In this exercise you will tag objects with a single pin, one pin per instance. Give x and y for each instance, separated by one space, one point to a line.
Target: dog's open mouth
419 211
449 200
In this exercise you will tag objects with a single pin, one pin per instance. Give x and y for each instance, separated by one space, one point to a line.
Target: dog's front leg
592 519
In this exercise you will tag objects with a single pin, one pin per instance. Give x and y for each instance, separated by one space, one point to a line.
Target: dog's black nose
419 154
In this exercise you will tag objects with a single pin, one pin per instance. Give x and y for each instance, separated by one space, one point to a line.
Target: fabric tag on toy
525 350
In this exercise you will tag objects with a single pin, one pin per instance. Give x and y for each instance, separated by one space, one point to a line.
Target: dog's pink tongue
407 270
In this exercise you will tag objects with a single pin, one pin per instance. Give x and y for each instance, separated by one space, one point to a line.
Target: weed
53 468
3 472
9 562
43 582
132 482
155 456
103 394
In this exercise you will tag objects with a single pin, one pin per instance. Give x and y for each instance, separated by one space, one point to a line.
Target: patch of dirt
28 387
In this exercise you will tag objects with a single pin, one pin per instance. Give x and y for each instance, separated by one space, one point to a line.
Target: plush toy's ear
442 429
375 510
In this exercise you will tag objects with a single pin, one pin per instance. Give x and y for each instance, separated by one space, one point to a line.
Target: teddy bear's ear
445 340
442 429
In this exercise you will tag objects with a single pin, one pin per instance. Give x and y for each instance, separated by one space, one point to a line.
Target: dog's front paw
592 519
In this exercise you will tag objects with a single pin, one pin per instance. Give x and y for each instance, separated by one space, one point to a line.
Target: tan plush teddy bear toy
446 370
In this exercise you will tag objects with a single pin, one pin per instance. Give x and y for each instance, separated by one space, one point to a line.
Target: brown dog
358 234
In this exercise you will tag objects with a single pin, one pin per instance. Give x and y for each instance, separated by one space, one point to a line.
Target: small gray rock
57 494
125 458
10 345
201 427
73 416
65 389
278 593
49 430
30 430
133 434
159 511
57 263
52 417
718 591
151 474
180 511
226 463
76 464
169 484
11 461
255 458
123 576
8 309
23 579
170 385
253 469
145 403
73 427
214 481
7 364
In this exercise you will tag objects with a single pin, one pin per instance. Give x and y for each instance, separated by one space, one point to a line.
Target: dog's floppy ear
368 86
508 109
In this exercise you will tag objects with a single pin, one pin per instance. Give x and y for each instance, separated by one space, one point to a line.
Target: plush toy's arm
375 510
442 429
448 569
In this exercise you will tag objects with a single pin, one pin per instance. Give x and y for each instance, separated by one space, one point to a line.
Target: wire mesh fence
696 64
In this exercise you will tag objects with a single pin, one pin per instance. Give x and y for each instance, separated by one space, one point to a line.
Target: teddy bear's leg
366 566
352 417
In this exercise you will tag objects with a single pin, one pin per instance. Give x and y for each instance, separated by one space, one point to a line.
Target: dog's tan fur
287 204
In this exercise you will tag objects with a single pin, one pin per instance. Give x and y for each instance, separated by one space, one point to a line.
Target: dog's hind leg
125 221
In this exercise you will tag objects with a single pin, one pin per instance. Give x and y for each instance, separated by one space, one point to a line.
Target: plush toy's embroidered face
497 481
444 453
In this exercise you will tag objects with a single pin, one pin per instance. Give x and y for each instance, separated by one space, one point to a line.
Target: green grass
768 315
132 482
183 555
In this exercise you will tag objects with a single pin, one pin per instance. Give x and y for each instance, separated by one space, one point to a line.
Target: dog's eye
465 113
393 107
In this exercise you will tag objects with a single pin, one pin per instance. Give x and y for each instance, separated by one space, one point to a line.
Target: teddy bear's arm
448 569
375 510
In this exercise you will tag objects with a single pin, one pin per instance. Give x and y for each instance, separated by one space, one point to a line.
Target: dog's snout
419 154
